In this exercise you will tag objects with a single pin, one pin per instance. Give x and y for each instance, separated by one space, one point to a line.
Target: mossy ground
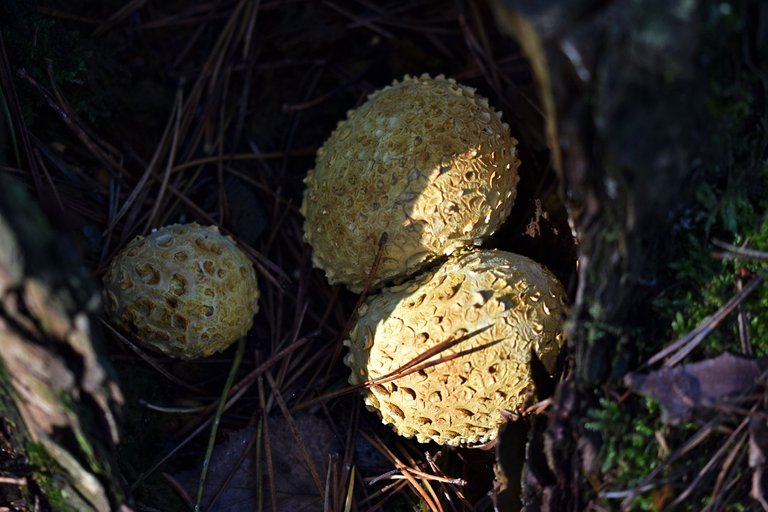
730 205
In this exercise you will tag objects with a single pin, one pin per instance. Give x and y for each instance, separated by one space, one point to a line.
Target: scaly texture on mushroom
425 160
497 307
184 290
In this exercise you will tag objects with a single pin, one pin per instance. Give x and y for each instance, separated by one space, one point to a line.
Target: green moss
45 478
704 283
632 450
730 204
626 458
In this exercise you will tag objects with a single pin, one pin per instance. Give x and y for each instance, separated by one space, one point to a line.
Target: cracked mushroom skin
495 308
425 160
184 290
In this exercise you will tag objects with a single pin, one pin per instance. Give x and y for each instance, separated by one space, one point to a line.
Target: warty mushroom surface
426 161
495 308
184 290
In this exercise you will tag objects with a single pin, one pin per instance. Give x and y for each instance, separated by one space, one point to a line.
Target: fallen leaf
294 488
684 389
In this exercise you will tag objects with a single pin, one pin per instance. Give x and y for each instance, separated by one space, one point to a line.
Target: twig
12 480
738 253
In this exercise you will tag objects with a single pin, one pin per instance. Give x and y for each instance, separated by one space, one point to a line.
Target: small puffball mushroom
184 290
493 308
425 160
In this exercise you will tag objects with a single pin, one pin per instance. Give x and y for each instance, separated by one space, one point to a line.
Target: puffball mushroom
184 290
493 308
425 160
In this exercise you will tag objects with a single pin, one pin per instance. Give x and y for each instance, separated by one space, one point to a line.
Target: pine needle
217 419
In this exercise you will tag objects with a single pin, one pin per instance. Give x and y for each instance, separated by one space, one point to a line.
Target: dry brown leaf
684 389
293 484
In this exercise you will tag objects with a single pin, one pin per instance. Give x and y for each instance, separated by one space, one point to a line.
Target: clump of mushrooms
184 290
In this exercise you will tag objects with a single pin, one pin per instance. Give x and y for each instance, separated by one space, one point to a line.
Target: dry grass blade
738 451
422 362
350 491
328 490
259 472
649 482
348 463
243 157
267 455
73 122
683 346
17 123
140 187
738 436
171 410
425 491
176 113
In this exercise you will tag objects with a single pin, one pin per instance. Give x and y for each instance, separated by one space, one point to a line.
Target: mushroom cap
425 160
184 290
495 307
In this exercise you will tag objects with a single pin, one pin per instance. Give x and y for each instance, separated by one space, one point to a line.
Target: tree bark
57 393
